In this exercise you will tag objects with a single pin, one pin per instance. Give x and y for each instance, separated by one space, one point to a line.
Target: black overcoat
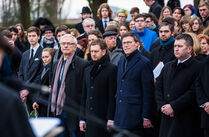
98 97
73 90
164 54
175 86
203 92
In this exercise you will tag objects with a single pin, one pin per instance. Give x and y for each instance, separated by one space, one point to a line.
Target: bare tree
196 3
25 12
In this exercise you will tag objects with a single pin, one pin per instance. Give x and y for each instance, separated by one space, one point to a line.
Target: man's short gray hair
69 35
88 20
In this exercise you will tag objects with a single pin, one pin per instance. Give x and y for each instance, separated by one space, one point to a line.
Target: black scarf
97 66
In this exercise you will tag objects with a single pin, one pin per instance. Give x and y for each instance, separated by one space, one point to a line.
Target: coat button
121 90
122 80
168 95
92 86
91 98
120 101
91 108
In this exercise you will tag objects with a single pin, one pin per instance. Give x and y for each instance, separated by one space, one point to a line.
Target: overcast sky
72 8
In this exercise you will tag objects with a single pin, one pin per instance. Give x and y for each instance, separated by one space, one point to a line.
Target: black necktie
31 55
105 24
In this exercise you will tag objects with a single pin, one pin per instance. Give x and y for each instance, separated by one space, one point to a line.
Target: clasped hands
167 110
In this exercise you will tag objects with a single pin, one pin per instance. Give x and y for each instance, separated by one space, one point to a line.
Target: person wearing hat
86 13
48 39
113 51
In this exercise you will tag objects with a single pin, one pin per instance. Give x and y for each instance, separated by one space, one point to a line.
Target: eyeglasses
139 20
121 16
127 42
67 43
48 33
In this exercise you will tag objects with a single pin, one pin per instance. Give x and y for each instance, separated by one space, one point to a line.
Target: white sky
72 8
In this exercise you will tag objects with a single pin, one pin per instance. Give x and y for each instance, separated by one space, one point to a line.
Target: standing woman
197 52
92 35
123 29
166 12
132 25
178 13
47 55
204 42
196 25
189 10
22 35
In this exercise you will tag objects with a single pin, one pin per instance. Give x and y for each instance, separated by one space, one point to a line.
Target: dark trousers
206 132
138 132
66 132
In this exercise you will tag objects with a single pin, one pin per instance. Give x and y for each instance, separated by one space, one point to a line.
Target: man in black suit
31 64
14 121
175 92
203 96
98 94
67 85
105 15
86 13
155 7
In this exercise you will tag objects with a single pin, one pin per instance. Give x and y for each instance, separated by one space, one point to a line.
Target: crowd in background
107 69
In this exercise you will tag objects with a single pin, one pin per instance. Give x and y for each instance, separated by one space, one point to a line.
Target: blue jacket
147 37
135 91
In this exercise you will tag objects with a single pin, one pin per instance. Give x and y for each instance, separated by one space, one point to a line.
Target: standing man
99 88
88 25
147 36
86 13
203 97
67 85
175 92
204 11
135 88
155 7
31 64
114 52
164 52
105 15
133 12
122 15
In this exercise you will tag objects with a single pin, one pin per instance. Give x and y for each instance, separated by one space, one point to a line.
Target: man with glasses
147 36
67 86
122 15
204 11
135 88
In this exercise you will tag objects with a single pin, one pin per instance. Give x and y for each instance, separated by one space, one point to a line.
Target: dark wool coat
99 26
14 121
135 91
164 54
73 90
98 97
203 92
175 86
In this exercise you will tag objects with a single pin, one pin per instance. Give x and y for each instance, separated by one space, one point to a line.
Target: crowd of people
143 77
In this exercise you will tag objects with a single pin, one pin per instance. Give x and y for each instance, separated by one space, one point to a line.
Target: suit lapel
133 62
37 55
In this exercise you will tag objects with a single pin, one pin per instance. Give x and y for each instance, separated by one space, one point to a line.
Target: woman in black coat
98 95
47 55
